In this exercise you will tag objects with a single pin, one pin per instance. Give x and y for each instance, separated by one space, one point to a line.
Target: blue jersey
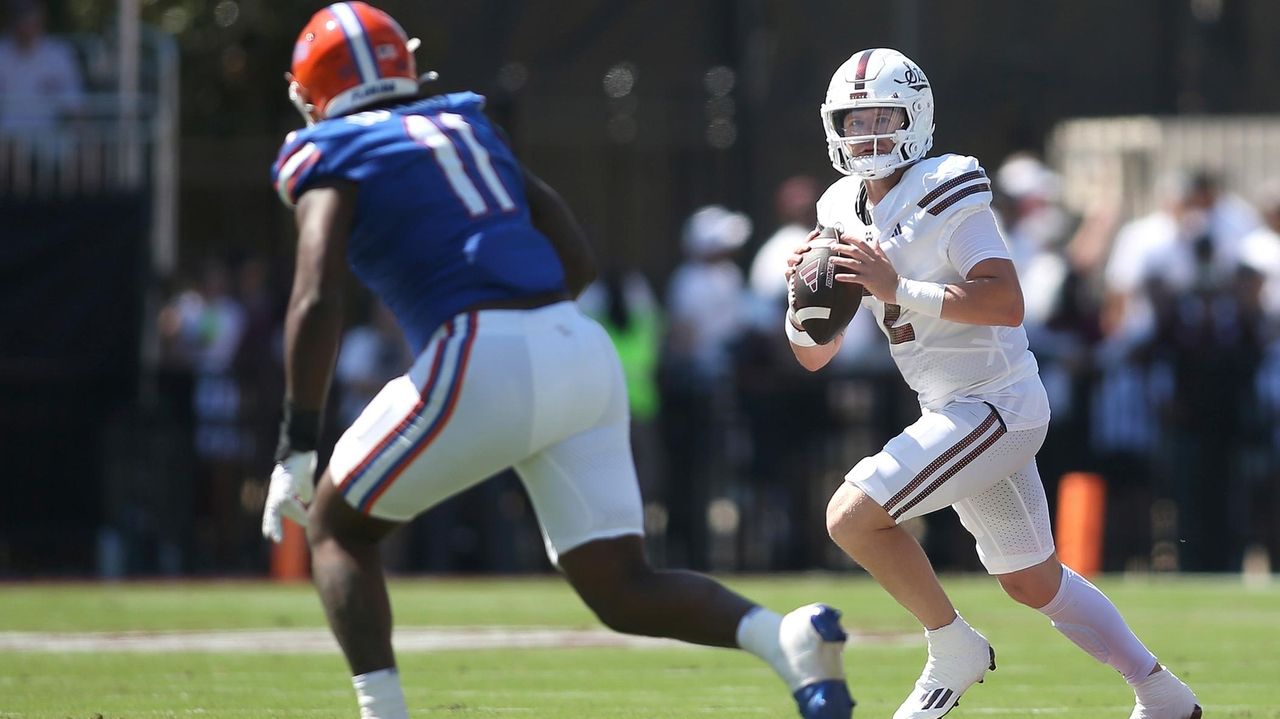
441 222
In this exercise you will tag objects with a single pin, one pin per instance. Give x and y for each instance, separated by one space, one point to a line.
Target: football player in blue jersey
479 261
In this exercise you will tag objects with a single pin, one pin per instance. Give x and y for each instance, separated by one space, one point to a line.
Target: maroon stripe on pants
945 457
954 470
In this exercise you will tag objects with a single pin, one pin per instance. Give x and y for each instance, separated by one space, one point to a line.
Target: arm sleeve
974 239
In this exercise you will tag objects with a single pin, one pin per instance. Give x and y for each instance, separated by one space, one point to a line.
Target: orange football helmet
350 55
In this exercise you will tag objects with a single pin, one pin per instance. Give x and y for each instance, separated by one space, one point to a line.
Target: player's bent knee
1035 586
331 519
851 513
612 577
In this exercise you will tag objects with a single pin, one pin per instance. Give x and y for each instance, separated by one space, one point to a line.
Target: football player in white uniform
919 235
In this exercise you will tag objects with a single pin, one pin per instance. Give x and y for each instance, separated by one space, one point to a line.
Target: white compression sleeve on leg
379 695
1085 616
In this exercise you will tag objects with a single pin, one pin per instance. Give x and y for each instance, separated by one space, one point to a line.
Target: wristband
798 337
299 430
922 297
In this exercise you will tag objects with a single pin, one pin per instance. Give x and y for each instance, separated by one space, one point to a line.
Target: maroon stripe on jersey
861 73
954 470
958 196
942 189
945 457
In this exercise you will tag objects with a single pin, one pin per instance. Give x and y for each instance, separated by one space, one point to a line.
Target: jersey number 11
437 134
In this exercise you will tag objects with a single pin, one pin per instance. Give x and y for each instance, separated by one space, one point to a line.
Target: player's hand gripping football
866 264
797 254
290 491
793 260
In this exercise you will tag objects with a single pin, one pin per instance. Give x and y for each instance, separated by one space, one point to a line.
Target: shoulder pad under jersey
838 204
948 184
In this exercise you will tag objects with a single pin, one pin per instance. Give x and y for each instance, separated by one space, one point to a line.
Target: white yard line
307 641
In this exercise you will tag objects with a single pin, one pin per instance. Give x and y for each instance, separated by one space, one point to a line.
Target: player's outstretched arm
312 331
313 324
553 218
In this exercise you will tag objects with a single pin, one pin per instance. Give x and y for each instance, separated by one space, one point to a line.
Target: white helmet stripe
357 40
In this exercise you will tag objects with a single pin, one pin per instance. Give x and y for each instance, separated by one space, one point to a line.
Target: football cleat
1163 696
945 678
813 641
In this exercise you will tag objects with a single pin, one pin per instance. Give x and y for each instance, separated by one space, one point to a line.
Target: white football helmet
885 79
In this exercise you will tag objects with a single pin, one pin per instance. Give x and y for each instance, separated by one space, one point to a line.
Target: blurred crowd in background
1157 334
1158 338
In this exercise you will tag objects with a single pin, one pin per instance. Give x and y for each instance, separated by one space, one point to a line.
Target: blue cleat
813 643
825 700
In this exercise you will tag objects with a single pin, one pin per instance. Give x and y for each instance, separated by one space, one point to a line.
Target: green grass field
1220 636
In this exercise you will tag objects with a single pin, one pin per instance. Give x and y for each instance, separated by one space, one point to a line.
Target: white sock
1085 616
1158 687
952 638
758 633
379 695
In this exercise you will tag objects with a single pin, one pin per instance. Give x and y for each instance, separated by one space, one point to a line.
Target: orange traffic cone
291 559
1082 509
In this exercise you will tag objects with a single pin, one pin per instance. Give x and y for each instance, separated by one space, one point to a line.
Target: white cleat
1163 696
812 642
946 676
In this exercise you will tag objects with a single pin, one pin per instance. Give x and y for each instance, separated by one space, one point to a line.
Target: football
823 306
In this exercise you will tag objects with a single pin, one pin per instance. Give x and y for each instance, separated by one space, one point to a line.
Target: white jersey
942 361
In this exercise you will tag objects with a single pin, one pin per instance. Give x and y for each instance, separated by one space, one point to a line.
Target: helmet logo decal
912 78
